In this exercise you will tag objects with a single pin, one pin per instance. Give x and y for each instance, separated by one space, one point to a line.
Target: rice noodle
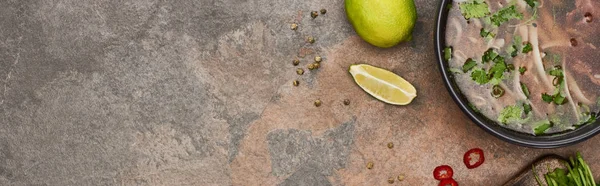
537 58
577 93
472 39
477 22
571 101
524 32
496 43
507 91
597 76
460 56
458 28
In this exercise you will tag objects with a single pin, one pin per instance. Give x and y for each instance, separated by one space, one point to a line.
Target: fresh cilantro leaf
532 3
474 9
518 40
526 108
559 99
505 15
479 76
489 55
469 64
448 53
527 48
510 114
541 127
513 51
547 98
522 70
486 34
525 90
587 118
497 71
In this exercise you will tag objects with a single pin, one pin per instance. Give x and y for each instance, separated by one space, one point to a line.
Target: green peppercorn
391 180
317 103
296 62
296 83
318 59
390 145
310 66
323 11
370 165
310 39
314 14
346 102
294 26
316 65
401 177
299 71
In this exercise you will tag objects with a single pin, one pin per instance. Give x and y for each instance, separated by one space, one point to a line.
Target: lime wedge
383 84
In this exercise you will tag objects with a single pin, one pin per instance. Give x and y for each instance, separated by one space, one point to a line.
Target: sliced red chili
443 172
448 182
473 163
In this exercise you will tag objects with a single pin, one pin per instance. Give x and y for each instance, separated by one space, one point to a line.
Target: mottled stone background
199 92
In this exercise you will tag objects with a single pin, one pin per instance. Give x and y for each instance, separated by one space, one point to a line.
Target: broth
532 66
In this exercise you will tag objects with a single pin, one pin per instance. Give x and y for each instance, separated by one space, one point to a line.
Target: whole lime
383 23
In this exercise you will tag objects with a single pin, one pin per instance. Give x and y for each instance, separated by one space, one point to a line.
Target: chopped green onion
525 90
469 64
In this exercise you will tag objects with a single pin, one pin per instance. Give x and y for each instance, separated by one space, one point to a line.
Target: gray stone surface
198 92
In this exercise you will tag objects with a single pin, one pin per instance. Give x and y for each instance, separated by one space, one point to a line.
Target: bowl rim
553 141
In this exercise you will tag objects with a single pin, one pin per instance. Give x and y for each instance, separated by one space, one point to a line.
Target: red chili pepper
443 172
448 182
467 158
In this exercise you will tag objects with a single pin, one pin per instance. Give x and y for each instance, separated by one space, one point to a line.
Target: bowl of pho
526 71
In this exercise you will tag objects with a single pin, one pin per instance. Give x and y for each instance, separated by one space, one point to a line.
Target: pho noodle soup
532 66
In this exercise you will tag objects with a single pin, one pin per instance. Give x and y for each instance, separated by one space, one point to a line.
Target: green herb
532 3
587 118
559 99
513 51
448 53
526 108
505 15
510 114
510 67
518 40
525 90
486 34
522 70
480 76
474 9
578 173
547 98
527 48
489 55
541 127
556 72
469 64
497 71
